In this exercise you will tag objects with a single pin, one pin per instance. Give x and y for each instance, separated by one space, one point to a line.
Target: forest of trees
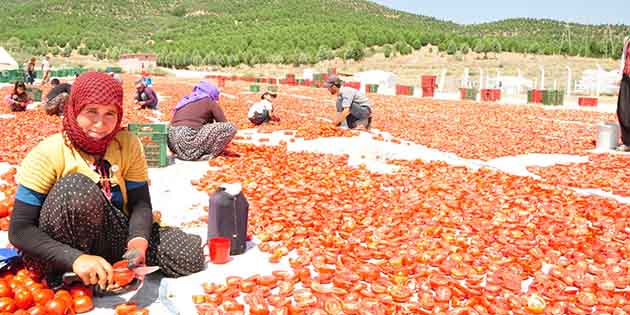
229 33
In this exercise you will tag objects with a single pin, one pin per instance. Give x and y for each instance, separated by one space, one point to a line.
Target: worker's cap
332 80
274 95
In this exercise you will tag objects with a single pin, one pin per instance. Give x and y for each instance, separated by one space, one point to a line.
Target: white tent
6 61
386 80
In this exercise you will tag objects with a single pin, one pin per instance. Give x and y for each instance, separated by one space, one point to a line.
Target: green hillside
231 32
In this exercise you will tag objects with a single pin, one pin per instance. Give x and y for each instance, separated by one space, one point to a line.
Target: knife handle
70 278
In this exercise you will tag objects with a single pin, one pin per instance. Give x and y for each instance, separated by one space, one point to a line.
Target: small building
136 63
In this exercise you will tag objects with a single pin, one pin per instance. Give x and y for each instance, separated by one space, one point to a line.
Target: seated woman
83 201
199 129
262 111
145 96
19 99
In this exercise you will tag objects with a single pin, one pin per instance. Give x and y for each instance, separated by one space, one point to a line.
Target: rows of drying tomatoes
429 239
603 171
469 129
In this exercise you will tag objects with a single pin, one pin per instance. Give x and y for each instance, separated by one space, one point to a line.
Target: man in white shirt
262 111
46 69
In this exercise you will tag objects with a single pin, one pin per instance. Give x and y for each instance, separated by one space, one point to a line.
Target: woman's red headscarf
91 88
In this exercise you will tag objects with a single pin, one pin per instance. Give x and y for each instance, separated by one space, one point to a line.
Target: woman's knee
76 193
177 253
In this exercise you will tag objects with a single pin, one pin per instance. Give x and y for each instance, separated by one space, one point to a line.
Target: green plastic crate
148 128
254 88
154 138
155 153
471 94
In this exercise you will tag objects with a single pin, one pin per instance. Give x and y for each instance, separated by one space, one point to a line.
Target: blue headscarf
202 90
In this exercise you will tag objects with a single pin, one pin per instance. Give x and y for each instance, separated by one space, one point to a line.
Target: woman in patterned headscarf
83 199
199 129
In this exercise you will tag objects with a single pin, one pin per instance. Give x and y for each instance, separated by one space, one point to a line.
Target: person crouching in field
353 106
83 200
199 129
19 99
145 96
57 97
262 111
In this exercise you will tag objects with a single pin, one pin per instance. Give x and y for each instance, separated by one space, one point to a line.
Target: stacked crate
428 85
371 88
154 140
468 94
553 97
404 89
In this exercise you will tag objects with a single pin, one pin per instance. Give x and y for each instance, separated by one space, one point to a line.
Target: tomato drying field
428 237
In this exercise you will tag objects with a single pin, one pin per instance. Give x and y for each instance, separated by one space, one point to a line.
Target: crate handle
146 128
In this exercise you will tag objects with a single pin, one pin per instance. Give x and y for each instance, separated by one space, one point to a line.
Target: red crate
428 81
403 89
428 91
537 96
587 101
496 95
355 85
490 95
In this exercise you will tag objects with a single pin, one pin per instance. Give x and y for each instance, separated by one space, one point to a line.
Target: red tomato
23 299
80 290
125 309
83 304
122 275
5 289
57 306
15 283
65 296
37 310
7 304
42 296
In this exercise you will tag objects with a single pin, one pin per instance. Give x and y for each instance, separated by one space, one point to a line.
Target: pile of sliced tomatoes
602 171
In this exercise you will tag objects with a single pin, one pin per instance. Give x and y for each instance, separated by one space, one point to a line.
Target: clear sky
479 11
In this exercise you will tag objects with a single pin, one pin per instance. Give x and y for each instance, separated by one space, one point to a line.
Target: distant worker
30 71
353 106
19 99
623 102
57 97
199 129
146 78
262 111
145 96
46 69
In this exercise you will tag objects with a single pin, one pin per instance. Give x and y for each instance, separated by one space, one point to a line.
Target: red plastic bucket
219 248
